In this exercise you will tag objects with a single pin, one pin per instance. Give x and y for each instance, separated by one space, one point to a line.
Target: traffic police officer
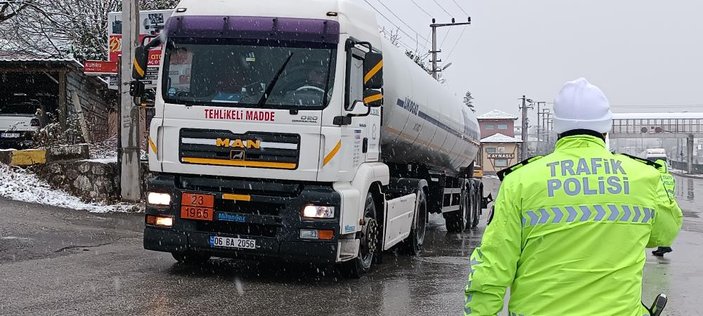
569 230
670 186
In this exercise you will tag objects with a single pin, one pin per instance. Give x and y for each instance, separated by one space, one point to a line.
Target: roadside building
62 91
499 147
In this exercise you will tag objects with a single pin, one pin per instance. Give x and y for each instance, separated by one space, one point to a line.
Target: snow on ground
21 185
106 149
102 160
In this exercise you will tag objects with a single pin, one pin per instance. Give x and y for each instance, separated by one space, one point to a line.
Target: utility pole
434 51
524 107
540 138
130 184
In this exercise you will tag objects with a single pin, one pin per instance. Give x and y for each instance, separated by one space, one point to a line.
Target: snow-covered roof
497 115
500 138
7 56
676 115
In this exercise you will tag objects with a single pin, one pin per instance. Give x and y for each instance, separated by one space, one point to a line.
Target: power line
390 21
456 43
445 38
443 9
460 8
401 20
421 8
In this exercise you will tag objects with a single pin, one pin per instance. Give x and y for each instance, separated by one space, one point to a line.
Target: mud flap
486 200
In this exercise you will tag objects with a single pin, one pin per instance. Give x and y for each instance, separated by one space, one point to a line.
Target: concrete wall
96 103
682 165
91 180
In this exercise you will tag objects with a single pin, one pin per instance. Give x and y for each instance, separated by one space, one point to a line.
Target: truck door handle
365 145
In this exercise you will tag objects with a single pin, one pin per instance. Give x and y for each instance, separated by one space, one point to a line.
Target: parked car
20 119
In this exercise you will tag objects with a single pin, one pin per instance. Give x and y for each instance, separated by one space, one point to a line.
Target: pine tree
469 101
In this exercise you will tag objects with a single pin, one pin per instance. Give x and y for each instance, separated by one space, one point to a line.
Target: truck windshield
237 74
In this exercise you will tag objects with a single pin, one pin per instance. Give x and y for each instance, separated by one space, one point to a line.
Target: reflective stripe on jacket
568 234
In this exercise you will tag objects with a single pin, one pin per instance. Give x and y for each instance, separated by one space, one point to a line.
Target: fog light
314 211
321 234
308 234
164 221
154 198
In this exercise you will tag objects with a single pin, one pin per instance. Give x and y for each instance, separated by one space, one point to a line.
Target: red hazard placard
100 67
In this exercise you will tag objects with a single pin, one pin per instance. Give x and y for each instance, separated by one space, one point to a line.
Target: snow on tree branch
62 28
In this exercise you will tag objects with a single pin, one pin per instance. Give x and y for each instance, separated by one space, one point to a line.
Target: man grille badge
237 155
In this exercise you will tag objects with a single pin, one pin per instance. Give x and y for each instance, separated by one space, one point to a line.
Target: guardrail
679 165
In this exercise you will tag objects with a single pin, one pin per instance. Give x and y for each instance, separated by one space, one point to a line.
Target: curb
29 157
23 158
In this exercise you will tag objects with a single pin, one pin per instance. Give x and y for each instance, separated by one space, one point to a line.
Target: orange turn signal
325 234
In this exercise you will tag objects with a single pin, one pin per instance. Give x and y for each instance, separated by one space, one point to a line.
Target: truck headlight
154 198
316 211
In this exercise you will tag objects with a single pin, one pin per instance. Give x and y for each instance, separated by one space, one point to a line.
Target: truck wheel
476 208
456 221
368 242
190 258
417 233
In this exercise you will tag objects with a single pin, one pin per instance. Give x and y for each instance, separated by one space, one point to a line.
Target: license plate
197 213
228 242
10 135
199 200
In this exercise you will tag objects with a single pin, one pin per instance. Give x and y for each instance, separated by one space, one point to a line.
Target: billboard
151 22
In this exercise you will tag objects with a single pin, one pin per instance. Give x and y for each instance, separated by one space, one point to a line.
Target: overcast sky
642 53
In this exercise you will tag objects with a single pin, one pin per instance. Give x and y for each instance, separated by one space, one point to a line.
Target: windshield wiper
272 84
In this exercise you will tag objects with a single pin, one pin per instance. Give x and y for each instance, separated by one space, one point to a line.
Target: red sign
115 47
99 67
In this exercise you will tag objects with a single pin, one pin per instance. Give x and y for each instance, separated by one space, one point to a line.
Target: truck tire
190 258
457 221
476 206
368 244
417 233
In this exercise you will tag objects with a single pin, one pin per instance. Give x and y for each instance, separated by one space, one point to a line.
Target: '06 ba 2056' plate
228 242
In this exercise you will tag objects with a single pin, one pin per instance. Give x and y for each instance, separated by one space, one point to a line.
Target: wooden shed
62 88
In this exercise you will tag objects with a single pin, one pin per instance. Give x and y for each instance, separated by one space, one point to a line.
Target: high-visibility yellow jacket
568 234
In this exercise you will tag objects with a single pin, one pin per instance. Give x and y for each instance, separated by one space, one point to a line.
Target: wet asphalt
63 262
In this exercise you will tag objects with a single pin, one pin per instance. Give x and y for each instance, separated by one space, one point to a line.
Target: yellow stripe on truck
236 197
373 98
332 153
373 71
152 146
139 69
240 163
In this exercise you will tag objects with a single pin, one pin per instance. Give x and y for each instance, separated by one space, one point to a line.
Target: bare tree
65 28
9 9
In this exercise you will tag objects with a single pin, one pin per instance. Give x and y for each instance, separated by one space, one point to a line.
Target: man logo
238 143
237 155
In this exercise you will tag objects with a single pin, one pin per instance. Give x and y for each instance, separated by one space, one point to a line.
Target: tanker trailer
291 129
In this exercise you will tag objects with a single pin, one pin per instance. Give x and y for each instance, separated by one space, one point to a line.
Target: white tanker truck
292 129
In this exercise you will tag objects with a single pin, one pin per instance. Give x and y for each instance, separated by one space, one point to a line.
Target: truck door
364 132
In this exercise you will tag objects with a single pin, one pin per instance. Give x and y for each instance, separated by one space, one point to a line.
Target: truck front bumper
272 218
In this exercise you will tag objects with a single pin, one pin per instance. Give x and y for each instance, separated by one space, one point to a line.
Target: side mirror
373 98
141 58
373 71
